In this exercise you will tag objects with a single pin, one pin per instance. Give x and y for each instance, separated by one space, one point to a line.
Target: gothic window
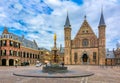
85 42
94 55
75 57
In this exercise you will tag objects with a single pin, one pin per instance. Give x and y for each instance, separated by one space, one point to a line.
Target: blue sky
40 19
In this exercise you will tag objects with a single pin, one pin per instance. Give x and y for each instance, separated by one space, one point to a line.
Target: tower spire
102 22
85 17
67 23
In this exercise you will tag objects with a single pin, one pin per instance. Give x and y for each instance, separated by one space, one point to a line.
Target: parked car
38 64
25 64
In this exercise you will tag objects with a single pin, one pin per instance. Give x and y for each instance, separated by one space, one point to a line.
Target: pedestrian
62 64
16 65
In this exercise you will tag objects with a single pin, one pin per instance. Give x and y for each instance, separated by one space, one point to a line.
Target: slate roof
24 42
102 22
110 54
67 23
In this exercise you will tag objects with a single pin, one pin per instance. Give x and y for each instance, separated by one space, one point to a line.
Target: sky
40 19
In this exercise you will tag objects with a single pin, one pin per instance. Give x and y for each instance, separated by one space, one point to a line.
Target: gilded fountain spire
55 38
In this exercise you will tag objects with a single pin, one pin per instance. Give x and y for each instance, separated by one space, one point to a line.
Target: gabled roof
85 29
5 31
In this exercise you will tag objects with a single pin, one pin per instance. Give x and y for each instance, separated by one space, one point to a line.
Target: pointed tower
67 39
5 31
102 40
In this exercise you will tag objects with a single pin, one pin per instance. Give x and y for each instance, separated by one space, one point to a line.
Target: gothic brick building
86 47
16 50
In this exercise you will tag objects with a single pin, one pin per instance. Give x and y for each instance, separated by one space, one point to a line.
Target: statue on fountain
55 51
55 66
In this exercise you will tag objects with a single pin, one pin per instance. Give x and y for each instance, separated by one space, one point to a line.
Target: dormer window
4 36
10 36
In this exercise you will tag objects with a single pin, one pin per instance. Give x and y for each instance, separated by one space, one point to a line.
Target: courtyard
102 74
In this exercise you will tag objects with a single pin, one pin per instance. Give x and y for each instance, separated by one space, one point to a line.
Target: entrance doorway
84 58
3 62
11 62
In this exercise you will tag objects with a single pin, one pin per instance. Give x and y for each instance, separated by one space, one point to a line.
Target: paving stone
102 75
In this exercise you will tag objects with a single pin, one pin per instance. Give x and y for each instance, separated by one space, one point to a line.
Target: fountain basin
40 74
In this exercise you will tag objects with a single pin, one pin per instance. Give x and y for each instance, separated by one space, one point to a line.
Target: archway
84 58
11 62
3 62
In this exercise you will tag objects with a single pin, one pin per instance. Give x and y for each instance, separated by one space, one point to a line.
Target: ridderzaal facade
86 47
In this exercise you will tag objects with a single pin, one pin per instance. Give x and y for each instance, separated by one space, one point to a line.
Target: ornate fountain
55 66
54 69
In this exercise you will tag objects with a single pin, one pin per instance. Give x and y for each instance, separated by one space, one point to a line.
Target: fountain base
54 69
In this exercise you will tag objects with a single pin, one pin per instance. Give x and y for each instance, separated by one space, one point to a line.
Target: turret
102 40
67 37
67 31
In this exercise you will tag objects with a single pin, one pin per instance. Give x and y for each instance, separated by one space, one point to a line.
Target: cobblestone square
110 74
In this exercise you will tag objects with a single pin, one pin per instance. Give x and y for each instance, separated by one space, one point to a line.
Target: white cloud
18 6
48 24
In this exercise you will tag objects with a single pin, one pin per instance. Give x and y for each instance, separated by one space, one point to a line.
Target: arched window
11 43
85 42
4 42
